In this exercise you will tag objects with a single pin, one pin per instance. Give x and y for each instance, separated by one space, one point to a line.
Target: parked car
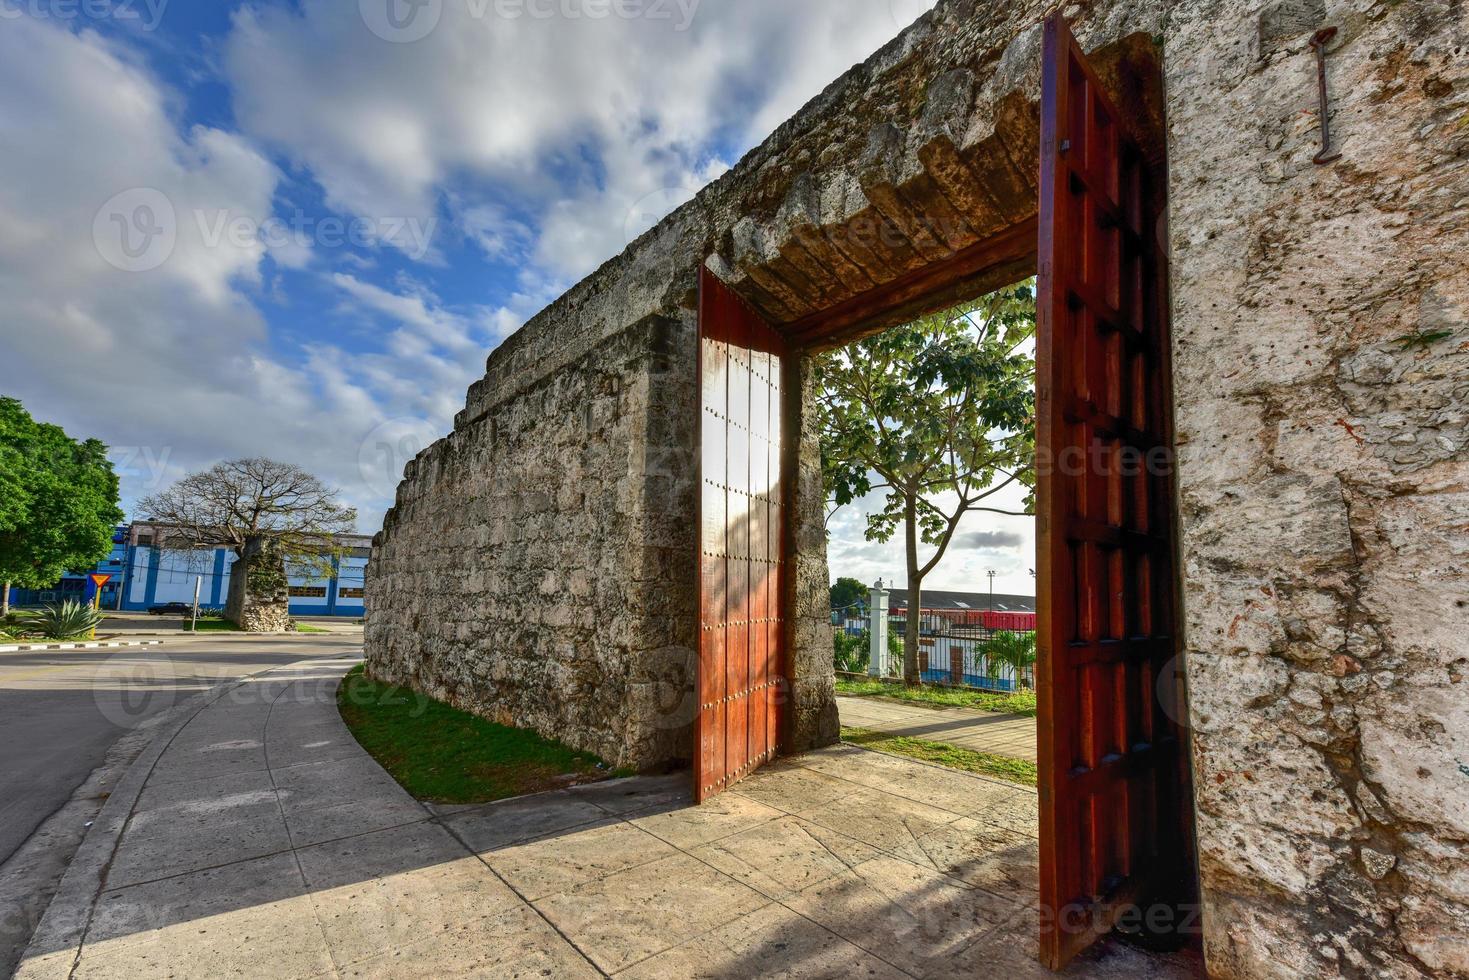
171 609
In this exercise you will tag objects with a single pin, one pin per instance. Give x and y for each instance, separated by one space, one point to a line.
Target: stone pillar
877 629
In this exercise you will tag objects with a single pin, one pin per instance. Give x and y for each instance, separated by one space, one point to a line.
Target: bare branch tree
269 513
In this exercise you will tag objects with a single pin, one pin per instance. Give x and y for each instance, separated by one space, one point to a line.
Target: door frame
1000 259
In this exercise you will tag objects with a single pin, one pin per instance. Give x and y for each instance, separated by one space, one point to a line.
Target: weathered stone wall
1322 378
534 569
1325 479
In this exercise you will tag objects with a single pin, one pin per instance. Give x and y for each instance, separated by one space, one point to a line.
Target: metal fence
948 653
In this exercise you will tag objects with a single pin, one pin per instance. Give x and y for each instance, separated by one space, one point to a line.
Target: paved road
60 711
982 731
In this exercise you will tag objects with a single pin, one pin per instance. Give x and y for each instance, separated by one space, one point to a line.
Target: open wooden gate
742 664
1114 783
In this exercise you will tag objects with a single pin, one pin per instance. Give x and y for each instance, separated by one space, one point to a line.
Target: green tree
58 502
939 413
270 514
1014 650
847 592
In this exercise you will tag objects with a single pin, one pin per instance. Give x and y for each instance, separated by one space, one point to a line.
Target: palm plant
1014 650
68 621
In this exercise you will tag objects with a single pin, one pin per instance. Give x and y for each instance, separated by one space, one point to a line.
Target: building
145 573
942 610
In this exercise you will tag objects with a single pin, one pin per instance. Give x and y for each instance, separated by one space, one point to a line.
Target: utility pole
198 583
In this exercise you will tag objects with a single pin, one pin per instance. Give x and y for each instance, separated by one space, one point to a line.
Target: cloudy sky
296 227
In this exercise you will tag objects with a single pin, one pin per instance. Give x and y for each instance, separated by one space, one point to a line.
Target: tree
58 502
942 412
847 592
268 513
1013 650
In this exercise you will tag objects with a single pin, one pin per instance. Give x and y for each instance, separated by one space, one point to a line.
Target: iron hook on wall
1319 41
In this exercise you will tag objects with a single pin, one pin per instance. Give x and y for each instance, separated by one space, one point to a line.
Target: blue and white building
146 573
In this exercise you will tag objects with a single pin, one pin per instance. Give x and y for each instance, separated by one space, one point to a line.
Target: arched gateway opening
1090 221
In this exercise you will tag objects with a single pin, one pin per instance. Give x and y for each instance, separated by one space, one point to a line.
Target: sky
296 228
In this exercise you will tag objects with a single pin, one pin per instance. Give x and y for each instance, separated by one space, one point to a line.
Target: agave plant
68 621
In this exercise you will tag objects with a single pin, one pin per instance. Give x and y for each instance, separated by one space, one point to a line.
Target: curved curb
54 948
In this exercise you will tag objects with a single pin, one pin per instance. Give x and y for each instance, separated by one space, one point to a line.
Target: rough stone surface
1322 377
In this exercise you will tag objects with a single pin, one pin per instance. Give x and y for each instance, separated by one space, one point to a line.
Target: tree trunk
234 603
259 599
5 600
911 677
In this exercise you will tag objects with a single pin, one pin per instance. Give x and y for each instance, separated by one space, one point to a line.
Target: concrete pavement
63 712
256 838
982 731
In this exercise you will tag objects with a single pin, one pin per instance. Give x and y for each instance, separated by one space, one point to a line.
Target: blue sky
297 228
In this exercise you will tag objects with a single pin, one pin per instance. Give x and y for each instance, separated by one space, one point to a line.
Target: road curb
56 944
87 645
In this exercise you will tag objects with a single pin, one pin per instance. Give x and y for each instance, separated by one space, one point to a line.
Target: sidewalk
982 731
260 840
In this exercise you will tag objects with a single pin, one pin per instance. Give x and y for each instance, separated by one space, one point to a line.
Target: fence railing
947 654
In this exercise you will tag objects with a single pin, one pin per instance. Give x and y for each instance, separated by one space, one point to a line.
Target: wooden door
742 664
1114 790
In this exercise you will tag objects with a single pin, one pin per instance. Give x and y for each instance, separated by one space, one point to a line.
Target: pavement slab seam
520 895
773 901
807 764
94 858
295 856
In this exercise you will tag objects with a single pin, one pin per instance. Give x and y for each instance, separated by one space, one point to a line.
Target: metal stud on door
741 540
1114 780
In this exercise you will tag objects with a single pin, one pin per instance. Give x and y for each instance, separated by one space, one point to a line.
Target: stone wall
535 569
1325 480
538 567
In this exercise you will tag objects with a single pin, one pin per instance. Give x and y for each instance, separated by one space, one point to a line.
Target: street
62 711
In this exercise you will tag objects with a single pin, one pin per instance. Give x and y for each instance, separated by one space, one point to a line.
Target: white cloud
548 143
592 126
174 366
984 541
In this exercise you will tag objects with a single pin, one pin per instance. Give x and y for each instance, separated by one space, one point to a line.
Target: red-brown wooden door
741 541
1114 781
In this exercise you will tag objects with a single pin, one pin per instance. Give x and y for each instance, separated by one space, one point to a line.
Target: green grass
1018 703
444 755
303 628
214 626
949 756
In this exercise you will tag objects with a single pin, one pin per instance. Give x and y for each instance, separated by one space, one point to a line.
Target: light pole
991 574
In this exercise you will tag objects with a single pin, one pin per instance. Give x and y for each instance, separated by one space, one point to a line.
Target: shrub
68 621
850 653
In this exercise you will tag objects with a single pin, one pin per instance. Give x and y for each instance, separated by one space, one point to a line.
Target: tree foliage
847 592
939 414
269 513
1014 650
58 500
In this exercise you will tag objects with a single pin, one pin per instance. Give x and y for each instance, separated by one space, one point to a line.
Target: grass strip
443 755
1016 703
948 756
